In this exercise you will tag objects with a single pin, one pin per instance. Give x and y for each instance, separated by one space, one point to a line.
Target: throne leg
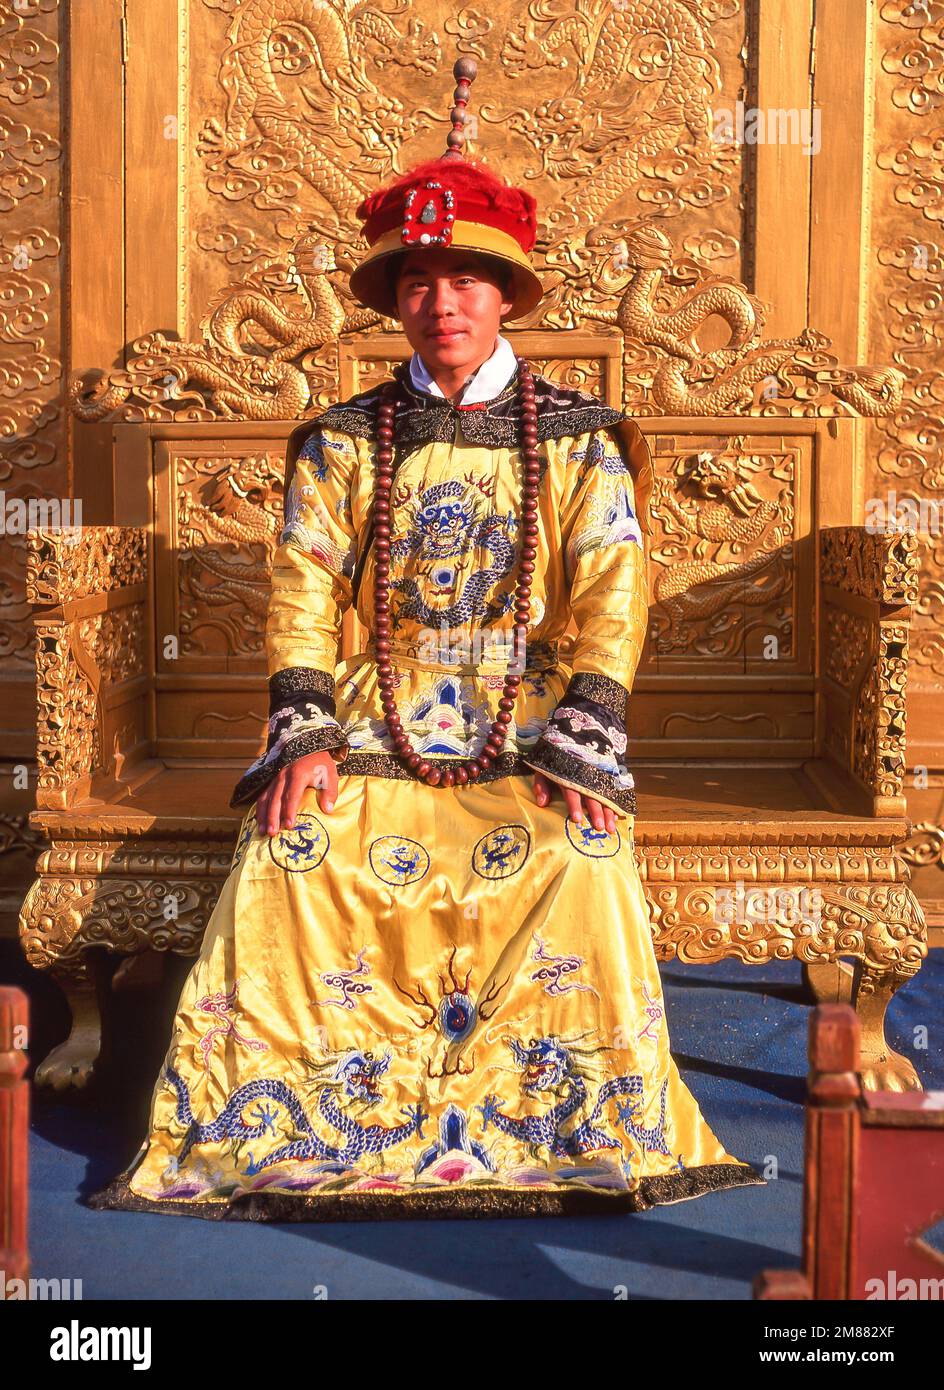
881 1068
70 921
73 1061
881 925
829 982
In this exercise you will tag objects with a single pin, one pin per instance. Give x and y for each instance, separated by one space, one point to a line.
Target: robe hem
663 1189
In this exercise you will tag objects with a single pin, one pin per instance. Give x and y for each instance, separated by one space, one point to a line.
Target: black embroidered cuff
584 744
302 720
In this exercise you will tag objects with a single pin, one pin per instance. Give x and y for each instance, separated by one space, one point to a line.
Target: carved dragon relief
228 524
702 582
258 359
660 312
606 130
673 374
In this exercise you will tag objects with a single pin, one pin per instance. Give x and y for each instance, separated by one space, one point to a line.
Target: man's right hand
277 805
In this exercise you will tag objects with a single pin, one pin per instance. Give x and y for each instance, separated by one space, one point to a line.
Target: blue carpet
738 1035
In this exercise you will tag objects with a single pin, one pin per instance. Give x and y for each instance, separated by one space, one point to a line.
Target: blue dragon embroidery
357 1075
548 1066
502 848
305 844
444 528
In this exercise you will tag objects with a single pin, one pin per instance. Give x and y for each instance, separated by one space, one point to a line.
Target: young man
429 985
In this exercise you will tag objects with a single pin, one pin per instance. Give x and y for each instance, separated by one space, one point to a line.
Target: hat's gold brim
371 285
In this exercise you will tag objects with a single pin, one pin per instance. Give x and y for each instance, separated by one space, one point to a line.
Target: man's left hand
601 817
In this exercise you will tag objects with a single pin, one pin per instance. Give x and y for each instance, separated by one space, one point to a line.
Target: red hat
450 201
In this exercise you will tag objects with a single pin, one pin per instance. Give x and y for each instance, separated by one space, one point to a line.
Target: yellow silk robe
439 1001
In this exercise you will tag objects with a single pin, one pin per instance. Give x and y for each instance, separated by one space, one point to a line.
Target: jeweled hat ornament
449 202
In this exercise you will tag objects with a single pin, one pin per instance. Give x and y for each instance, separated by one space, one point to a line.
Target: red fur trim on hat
480 197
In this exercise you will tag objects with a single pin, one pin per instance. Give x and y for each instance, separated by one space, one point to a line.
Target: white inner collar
483 385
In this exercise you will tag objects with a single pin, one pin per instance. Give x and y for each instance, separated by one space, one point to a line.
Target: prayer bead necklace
470 769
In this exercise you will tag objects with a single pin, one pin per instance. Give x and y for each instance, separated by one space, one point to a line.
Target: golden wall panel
293 111
602 110
32 433
906 300
32 458
905 324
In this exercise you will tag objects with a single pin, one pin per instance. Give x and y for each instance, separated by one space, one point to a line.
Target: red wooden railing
14 1136
873 1180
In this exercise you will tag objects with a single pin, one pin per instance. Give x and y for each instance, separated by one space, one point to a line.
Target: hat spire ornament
464 71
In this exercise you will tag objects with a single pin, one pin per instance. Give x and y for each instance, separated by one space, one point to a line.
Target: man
441 997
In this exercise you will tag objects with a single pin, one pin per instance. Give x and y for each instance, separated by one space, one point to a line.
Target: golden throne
768 716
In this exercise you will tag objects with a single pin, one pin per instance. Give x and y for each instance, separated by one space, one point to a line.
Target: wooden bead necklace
470 769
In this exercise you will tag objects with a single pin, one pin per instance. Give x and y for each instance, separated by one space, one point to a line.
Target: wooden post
14 1136
829 1193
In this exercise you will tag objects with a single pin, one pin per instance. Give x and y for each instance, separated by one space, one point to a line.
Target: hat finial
464 72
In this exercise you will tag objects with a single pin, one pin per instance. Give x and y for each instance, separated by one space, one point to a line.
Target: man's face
450 303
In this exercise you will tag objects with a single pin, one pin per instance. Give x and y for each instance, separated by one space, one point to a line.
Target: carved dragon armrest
868 586
89 594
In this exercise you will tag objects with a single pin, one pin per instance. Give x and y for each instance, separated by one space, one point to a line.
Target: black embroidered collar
425 418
